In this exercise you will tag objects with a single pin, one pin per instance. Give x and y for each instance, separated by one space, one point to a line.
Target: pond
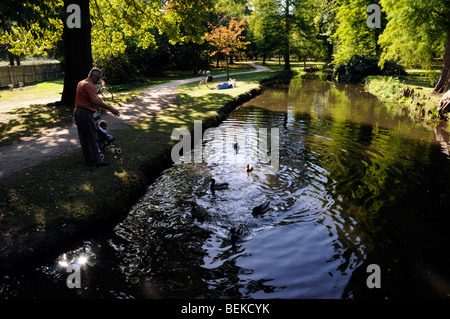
349 186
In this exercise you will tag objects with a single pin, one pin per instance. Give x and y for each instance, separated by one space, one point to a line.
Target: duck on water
217 186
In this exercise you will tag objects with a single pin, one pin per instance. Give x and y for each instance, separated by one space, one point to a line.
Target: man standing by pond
86 103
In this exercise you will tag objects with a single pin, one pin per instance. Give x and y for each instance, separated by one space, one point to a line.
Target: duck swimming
238 233
199 213
215 186
261 209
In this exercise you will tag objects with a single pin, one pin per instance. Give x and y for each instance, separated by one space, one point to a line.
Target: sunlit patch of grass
86 187
29 94
31 120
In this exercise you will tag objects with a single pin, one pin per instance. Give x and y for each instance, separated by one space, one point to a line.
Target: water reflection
442 136
302 197
355 185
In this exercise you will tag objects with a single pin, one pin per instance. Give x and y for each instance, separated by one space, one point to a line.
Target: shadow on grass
30 120
417 81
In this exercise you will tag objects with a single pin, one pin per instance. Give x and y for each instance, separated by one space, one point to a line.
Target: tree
105 26
284 21
77 51
265 27
104 29
29 27
417 31
352 35
305 39
227 39
36 26
326 24
185 22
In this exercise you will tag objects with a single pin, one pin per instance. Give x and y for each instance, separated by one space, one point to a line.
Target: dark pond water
349 184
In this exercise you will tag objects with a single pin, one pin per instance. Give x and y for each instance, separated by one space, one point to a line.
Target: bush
361 66
115 69
134 64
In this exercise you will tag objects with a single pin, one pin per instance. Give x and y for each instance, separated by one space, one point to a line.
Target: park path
54 142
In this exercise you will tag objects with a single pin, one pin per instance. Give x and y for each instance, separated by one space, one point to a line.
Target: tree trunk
287 61
443 84
376 46
195 59
77 51
228 71
13 57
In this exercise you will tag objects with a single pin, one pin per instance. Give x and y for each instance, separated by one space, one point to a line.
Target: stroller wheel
102 156
106 148
118 150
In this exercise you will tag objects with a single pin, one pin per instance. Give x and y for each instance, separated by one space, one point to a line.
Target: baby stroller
106 143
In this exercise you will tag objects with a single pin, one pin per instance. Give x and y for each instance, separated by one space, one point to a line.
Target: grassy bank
45 207
410 95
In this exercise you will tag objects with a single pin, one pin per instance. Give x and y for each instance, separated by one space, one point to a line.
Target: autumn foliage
227 39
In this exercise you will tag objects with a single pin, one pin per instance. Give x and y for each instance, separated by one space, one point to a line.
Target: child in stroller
106 142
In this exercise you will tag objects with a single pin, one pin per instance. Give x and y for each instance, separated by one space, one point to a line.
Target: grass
30 60
28 110
70 198
21 97
419 104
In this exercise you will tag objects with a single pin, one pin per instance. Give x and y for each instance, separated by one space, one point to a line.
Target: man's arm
103 105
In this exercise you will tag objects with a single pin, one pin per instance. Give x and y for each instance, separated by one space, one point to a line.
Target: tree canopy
30 27
418 31
352 35
227 39
411 32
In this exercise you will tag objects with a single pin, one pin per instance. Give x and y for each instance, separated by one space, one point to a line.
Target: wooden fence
29 73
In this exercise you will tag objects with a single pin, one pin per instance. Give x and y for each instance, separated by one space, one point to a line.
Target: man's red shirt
86 94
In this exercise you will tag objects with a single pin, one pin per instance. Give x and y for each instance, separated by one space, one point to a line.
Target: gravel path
54 142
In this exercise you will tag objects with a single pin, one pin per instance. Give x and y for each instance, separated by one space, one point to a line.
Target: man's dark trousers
87 134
